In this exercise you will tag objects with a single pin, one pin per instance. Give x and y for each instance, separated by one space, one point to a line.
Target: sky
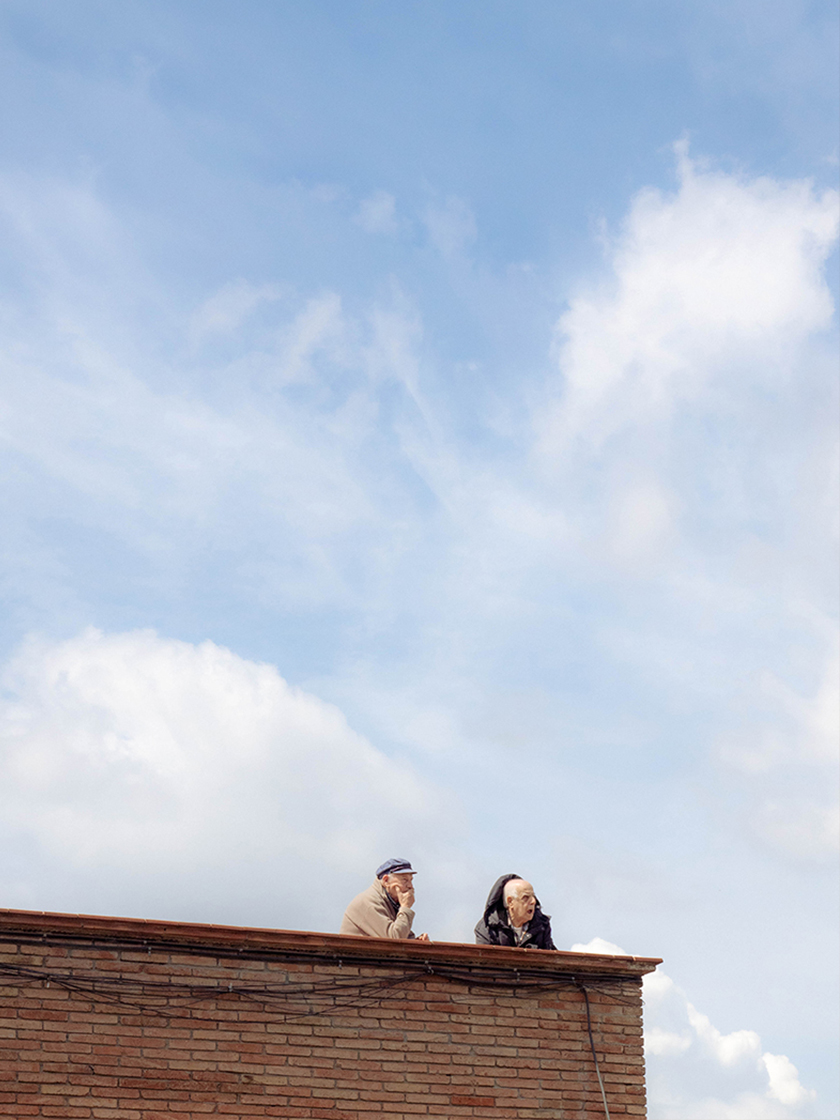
418 436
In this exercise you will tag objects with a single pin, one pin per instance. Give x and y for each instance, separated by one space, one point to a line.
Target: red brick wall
87 1028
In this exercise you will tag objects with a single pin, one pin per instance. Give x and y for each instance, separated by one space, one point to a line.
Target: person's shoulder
541 926
369 894
487 931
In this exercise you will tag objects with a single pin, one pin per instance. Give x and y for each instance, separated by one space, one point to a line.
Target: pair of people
512 914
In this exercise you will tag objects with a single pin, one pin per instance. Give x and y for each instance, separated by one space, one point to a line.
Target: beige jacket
373 913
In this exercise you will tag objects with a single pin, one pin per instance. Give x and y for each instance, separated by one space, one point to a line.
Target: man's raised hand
405 896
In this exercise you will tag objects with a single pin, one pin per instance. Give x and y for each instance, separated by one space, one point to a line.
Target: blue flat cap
394 867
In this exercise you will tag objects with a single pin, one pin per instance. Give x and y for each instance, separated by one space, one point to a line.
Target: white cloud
659 1042
696 1072
451 225
318 327
643 520
784 1080
145 462
799 825
686 376
790 764
811 721
691 446
724 268
229 307
65 232
729 1049
377 213
249 424
187 773
607 948
165 461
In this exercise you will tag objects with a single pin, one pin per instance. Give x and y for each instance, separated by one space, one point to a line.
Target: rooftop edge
43 926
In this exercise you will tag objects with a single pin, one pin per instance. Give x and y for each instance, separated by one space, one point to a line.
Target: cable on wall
594 1053
319 996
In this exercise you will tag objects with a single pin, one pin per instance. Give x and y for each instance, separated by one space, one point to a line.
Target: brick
428 1048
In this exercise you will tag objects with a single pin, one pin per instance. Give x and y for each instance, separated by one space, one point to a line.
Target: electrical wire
332 991
594 1053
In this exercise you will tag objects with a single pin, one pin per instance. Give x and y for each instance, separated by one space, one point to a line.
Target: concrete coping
33 926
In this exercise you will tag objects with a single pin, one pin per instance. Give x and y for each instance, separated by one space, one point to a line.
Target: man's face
522 903
399 884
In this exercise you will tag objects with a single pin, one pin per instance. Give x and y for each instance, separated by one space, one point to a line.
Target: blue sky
418 436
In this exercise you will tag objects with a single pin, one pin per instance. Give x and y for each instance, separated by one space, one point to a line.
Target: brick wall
121 1020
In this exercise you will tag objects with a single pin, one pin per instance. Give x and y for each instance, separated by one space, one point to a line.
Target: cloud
162 469
377 213
451 225
319 328
725 268
784 1080
643 519
247 426
230 306
696 1072
135 766
689 439
65 232
789 763
257 430
683 422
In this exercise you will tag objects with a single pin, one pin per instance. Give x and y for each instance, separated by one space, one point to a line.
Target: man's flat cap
395 867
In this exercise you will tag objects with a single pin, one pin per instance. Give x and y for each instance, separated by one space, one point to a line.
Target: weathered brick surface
422 1045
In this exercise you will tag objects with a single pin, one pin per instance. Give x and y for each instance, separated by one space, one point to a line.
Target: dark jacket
494 928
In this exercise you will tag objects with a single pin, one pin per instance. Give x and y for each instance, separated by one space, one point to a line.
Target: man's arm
406 903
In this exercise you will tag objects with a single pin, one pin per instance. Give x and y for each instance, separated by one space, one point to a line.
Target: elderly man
512 916
385 909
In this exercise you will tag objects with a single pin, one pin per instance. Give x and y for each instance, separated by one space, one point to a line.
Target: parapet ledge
34 927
